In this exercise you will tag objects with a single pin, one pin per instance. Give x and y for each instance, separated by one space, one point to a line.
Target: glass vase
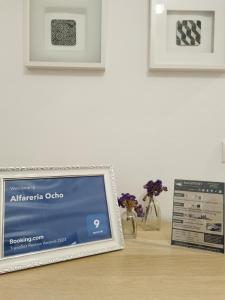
129 224
152 218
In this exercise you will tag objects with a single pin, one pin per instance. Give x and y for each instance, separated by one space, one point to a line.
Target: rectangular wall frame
65 33
54 214
187 34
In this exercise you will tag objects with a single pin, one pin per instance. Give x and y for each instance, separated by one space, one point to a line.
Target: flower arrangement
152 210
149 217
130 202
129 223
127 201
139 211
154 188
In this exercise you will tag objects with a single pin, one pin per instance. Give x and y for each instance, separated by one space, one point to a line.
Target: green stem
151 199
156 213
129 215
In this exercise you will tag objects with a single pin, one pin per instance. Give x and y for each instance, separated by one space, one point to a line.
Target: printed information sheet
198 215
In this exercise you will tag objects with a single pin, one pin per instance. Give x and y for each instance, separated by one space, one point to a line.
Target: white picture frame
187 35
80 42
54 214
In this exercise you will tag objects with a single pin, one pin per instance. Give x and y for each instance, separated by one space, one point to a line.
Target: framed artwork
54 214
65 33
187 34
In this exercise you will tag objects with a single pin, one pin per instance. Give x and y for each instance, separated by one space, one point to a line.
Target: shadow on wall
62 72
185 74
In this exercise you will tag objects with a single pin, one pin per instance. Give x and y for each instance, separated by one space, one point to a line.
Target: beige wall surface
148 125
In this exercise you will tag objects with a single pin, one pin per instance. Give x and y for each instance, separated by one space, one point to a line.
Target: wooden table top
148 268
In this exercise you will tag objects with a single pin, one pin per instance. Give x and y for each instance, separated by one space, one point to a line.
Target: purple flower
139 211
127 201
155 188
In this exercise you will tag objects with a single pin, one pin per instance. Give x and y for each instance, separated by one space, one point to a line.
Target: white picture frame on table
65 34
187 35
54 214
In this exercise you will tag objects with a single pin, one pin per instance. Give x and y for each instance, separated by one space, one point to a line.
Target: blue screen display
48 213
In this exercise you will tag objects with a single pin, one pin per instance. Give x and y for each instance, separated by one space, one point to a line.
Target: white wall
147 125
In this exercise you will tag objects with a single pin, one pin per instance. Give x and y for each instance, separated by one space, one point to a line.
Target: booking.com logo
26 240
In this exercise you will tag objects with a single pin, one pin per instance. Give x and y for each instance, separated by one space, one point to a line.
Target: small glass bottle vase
129 224
152 218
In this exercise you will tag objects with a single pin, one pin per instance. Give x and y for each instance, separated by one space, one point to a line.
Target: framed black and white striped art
187 35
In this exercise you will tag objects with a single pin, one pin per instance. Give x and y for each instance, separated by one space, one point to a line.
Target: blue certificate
50 213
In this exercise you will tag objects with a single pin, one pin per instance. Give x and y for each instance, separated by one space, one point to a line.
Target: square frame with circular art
65 34
187 35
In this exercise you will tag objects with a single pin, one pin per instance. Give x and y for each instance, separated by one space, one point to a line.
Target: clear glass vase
152 218
129 224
